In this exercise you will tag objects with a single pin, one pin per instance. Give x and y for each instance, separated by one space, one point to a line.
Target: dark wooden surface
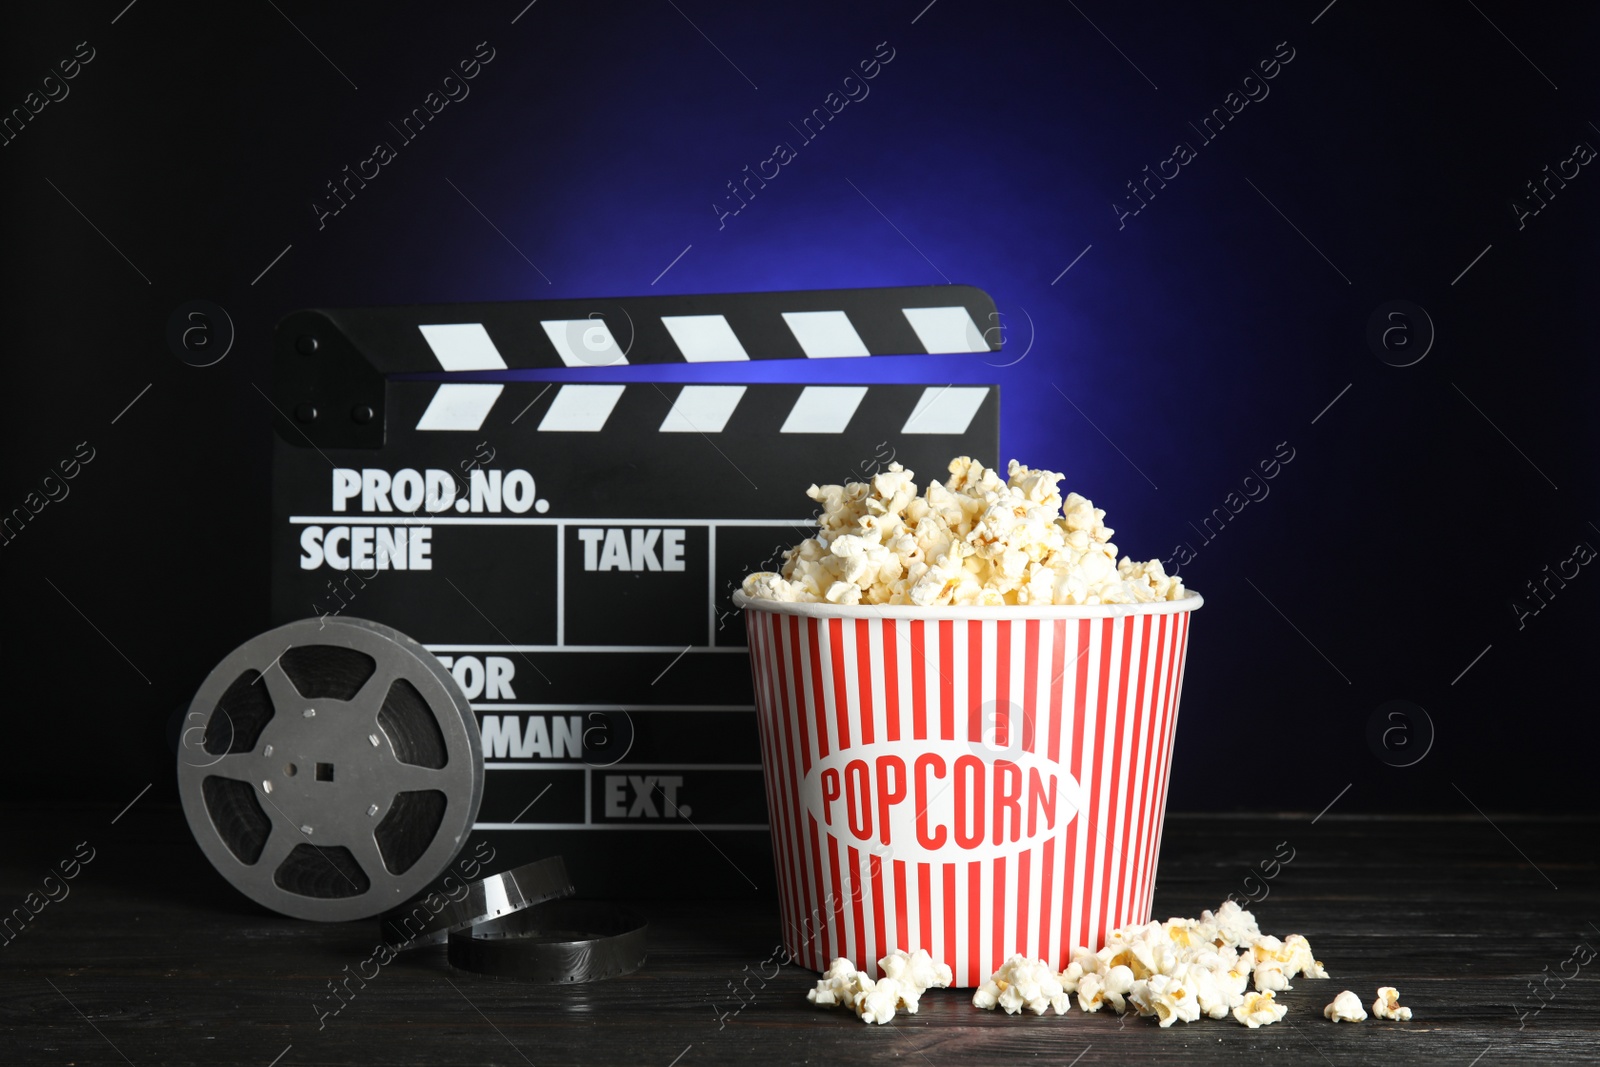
152 959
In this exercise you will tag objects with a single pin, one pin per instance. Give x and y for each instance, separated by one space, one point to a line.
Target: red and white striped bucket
977 782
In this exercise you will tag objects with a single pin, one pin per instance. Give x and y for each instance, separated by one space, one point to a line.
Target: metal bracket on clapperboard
569 550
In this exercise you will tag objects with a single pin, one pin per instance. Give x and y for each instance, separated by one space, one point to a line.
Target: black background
1186 344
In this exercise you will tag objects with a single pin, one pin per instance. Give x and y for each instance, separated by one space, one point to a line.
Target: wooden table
151 958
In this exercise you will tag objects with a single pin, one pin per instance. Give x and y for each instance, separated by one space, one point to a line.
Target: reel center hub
324 775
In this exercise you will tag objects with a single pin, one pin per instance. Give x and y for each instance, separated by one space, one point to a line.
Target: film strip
568 550
563 942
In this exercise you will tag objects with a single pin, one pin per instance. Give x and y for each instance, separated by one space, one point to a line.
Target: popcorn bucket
974 781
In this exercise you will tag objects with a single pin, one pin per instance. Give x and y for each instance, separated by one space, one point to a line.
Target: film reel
330 768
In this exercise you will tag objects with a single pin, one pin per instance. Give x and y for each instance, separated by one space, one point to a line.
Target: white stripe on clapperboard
464 346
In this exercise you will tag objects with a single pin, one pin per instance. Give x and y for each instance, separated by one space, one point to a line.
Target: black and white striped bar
718 328
704 409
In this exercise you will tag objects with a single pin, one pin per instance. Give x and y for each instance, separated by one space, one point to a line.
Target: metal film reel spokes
331 769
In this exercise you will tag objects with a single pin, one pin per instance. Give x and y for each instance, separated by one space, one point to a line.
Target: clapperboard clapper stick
568 550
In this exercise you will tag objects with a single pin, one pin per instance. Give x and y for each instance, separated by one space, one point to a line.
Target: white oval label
937 801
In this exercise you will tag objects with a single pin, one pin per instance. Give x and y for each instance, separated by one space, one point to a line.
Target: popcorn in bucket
965 752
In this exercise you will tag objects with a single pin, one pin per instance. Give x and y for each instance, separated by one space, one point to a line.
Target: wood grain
152 958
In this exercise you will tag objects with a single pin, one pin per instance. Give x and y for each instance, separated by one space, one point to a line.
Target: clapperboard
569 549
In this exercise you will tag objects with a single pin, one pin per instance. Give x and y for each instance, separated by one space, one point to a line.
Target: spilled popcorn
1346 1008
906 976
839 985
1024 983
916 972
1174 971
1388 1006
1259 1009
1167 998
974 539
